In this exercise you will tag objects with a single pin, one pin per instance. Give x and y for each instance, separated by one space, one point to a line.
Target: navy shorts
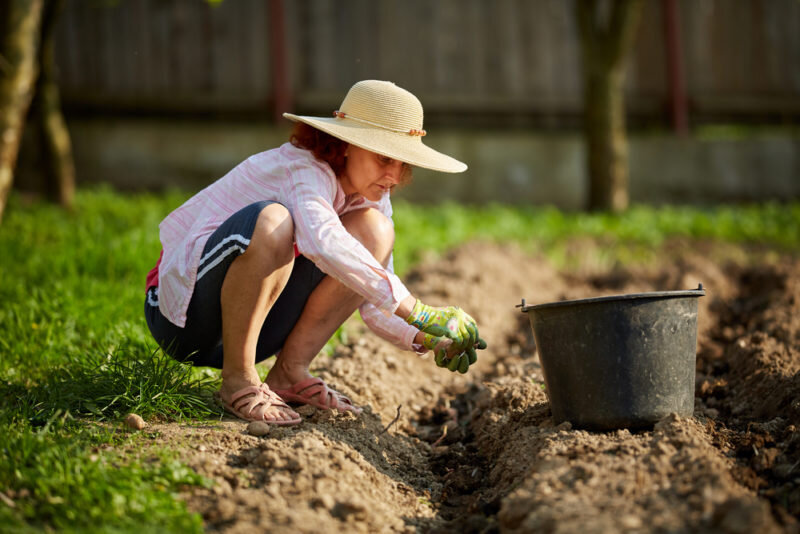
200 340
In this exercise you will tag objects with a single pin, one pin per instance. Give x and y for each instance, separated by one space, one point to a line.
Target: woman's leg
330 304
252 285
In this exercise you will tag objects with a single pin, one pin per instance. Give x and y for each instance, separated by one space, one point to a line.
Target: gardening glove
439 345
451 322
450 333
454 361
461 362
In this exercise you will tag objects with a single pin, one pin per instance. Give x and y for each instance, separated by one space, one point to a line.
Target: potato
258 428
135 421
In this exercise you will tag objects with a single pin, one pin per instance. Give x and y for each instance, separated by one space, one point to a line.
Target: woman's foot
283 376
252 400
299 386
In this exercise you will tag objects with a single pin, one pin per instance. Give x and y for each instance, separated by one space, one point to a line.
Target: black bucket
621 361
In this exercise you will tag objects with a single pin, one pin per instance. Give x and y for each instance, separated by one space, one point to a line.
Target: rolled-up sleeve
321 237
391 328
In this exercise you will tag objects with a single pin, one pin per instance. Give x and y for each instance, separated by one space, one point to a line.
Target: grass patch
110 386
74 346
631 236
74 343
54 478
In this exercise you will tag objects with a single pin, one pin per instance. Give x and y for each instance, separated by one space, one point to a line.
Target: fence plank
470 57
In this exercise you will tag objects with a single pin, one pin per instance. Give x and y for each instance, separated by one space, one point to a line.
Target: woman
273 257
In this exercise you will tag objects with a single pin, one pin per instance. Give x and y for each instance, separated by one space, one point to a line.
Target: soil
436 451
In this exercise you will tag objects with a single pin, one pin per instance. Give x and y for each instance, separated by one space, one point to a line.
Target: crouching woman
274 256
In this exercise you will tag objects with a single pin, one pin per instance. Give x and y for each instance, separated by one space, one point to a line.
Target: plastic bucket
621 361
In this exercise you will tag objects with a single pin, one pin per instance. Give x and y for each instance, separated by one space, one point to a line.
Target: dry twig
438 441
393 421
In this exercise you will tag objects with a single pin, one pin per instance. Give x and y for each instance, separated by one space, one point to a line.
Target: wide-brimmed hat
386 119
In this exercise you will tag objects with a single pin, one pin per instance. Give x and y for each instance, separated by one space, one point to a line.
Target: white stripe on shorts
232 247
151 293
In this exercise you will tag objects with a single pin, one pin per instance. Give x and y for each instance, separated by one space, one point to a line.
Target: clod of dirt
258 428
135 422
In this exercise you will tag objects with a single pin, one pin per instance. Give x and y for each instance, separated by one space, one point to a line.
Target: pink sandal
315 392
253 407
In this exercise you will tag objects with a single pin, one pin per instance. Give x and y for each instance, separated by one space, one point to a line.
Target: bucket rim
699 292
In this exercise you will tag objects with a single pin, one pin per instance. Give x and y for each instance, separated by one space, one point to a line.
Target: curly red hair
325 147
329 149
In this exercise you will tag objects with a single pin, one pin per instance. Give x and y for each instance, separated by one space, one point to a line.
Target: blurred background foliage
160 94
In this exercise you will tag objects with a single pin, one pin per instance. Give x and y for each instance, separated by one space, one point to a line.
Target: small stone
135 421
258 428
631 522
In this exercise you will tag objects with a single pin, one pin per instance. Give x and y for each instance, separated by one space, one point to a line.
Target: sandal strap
326 397
312 387
275 399
249 399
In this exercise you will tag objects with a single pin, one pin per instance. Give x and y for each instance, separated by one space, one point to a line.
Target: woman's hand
450 333
452 322
445 356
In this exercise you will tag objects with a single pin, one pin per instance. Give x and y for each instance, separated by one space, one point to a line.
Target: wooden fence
467 60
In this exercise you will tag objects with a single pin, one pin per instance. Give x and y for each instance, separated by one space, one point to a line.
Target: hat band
342 115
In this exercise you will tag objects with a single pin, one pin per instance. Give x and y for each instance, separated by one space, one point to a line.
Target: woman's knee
274 233
373 229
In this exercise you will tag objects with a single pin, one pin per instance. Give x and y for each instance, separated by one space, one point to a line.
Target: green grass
73 344
633 235
75 354
56 481
108 387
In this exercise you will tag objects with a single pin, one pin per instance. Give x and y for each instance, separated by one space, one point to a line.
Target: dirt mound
437 452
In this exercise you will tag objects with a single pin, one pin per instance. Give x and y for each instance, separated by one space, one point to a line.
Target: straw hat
383 118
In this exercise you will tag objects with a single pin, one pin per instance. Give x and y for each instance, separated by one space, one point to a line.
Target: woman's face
370 174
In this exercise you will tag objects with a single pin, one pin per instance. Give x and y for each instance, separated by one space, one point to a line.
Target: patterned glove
442 332
439 345
451 322
461 362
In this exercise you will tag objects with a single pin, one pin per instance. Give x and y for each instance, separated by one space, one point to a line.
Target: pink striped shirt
314 197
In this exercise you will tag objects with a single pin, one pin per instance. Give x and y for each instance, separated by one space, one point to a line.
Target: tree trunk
18 46
607 146
60 168
606 38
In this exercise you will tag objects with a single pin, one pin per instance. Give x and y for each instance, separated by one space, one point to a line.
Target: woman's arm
404 311
321 237
405 307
